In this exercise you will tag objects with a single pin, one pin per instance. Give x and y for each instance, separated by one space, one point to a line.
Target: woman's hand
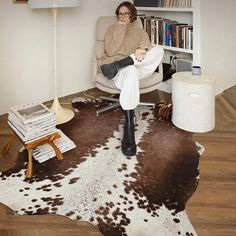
123 22
140 54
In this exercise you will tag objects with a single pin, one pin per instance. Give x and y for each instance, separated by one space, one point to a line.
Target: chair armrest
94 67
160 68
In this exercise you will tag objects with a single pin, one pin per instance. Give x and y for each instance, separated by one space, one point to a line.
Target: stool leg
56 149
29 171
6 148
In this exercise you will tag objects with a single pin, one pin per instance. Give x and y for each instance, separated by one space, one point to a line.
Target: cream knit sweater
123 39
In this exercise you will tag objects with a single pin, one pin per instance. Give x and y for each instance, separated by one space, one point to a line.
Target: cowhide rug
143 195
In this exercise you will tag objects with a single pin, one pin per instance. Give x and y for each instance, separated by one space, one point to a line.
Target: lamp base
63 115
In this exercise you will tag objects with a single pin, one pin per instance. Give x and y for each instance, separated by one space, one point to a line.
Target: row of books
163 3
174 3
45 152
168 32
32 121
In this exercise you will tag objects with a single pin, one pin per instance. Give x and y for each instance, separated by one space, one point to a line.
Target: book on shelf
45 152
31 112
145 3
155 28
163 3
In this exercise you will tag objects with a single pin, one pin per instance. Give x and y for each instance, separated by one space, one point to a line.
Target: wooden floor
212 209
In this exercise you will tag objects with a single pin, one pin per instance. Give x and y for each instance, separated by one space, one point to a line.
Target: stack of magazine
45 152
32 121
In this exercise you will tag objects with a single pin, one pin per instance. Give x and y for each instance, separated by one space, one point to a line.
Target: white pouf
193 98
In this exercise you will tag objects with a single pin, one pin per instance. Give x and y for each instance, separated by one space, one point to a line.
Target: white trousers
127 78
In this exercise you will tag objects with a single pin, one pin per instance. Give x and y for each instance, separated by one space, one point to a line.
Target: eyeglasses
125 14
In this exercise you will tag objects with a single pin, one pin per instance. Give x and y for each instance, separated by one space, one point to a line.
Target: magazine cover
31 112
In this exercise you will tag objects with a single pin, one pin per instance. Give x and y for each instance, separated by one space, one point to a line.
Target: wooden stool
31 145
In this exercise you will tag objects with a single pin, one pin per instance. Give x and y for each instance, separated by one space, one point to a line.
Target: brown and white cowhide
143 195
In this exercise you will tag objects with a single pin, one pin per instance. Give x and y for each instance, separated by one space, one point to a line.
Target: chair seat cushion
145 85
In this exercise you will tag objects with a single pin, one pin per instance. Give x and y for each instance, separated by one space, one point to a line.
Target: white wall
26 50
218 48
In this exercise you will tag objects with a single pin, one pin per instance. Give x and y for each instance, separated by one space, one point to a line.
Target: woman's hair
132 10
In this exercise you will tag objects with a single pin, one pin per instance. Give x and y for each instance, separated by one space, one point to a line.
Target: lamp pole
63 115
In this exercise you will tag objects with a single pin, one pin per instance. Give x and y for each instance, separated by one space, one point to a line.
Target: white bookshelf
169 9
175 49
181 15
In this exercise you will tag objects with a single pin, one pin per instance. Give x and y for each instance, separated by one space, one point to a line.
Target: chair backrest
102 25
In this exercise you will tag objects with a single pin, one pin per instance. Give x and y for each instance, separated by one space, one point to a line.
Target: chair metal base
116 104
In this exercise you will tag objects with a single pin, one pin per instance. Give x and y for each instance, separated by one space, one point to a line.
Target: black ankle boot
128 143
110 70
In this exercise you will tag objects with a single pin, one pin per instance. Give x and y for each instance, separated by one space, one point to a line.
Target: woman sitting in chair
128 58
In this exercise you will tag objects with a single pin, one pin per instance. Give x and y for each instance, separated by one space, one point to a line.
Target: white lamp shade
52 3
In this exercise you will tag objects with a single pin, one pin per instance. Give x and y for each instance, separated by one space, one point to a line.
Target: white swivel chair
146 85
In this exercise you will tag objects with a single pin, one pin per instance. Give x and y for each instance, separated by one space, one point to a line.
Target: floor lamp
63 115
